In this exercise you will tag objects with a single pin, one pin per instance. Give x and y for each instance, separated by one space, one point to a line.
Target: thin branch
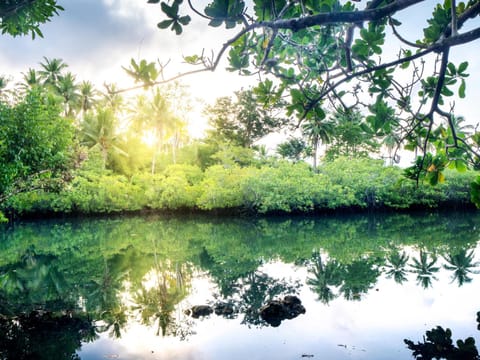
434 106
437 47
441 81
269 46
402 39
453 11
161 82
15 8
469 13
198 12
470 149
451 125
351 17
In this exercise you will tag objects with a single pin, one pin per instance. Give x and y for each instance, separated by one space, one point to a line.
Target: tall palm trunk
315 154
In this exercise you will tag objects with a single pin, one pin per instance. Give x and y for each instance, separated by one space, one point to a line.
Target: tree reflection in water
157 297
438 344
462 264
60 297
43 335
351 280
396 266
425 269
323 277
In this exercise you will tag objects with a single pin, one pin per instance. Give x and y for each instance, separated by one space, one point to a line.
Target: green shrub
222 188
280 187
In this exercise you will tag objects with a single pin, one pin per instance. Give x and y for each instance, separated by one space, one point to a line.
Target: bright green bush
287 187
103 194
222 188
281 187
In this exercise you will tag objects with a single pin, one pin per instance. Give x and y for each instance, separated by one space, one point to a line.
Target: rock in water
275 311
199 310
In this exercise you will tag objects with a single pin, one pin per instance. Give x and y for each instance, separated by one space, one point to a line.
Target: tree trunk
315 155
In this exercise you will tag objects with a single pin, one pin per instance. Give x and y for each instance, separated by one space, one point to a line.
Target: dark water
119 288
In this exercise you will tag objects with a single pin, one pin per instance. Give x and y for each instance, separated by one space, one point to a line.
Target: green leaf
460 165
170 11
184 20
451 69
395 22
461 89
475 194
447 92
192 59
164 24
215 22
462 67
297 95
177 28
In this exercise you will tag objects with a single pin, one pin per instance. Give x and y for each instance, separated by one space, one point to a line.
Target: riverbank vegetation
69 148
281 187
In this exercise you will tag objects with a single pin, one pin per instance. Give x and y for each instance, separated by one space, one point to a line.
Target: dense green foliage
324 68
67 148
242 121
281 187
19 17
36 143
352 58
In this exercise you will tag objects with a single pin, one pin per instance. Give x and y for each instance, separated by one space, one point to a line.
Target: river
127 287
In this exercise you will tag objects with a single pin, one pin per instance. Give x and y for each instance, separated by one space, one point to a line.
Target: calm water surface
121 288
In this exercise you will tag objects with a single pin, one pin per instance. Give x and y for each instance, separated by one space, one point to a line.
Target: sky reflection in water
372 328
132 271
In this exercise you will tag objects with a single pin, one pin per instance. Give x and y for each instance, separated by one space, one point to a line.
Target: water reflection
424 268
85 280
396 266
156 298
461 264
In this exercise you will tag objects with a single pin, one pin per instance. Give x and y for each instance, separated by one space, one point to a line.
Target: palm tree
99 131
3 84
154 115
396 264
69 91
52 70
461 264
114 320
30 79
425 269
87 97
391 141
178 136
317 131
103 290
461 128
112 99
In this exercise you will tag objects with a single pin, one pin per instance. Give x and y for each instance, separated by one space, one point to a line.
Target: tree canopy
331 56
22 17
344 56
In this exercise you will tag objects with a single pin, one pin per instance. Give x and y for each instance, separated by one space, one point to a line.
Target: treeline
68 148
280 187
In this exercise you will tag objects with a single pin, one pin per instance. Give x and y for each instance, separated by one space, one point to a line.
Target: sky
97 37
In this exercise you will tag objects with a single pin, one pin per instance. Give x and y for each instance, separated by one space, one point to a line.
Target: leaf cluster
439 345
19 17
174 20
